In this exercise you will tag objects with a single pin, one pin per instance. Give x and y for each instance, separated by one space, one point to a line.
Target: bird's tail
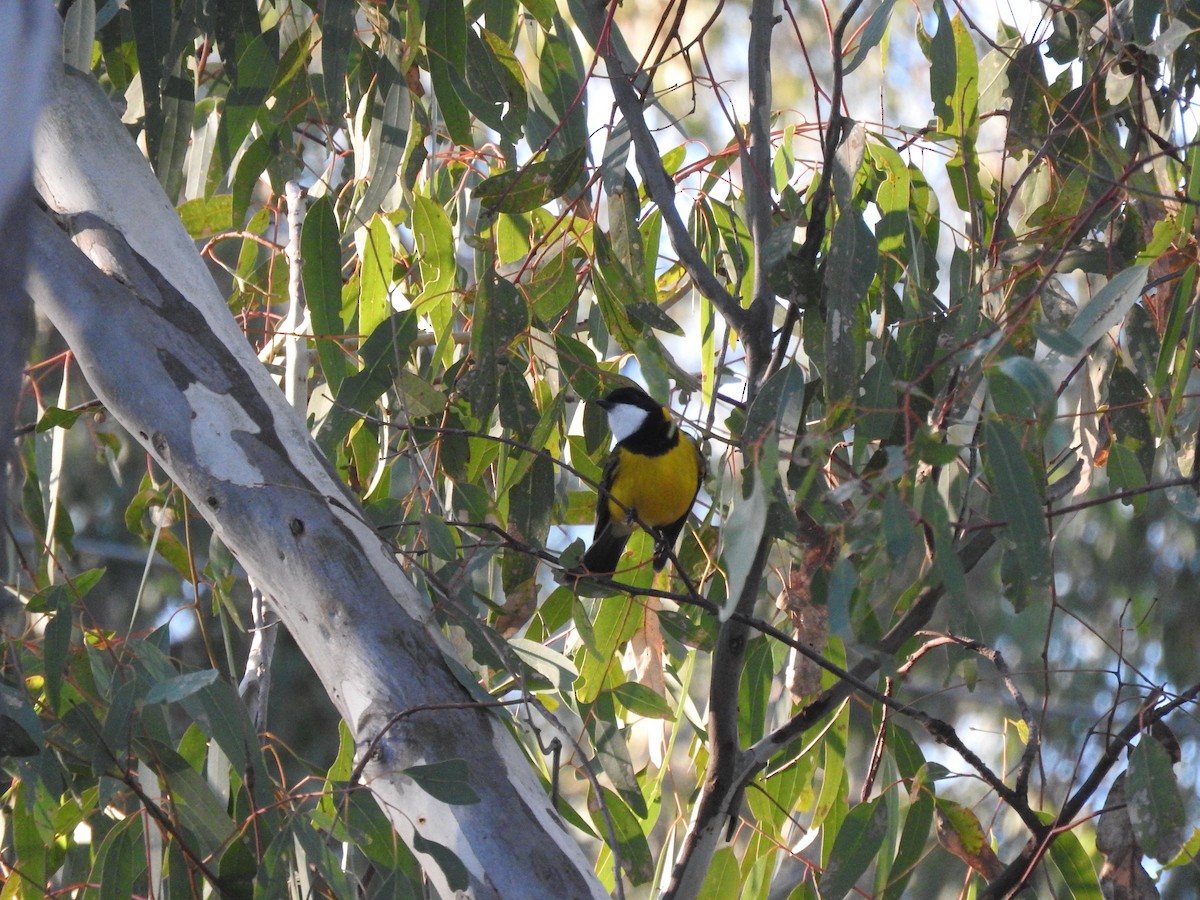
604 554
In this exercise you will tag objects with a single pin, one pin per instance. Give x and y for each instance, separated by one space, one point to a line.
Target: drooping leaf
446 35
337 37
387 137
1155 803
636 859
383 353
870 35
320 246
447 780
532 185
723 878
1078 874
1016 496
456 874
496 83
853 257
175 689
1020 388
854 848
375 280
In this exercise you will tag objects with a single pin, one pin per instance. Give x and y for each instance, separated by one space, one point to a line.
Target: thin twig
1018 871
658 184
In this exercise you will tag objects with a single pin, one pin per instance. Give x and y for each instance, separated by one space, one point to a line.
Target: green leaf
653 316
613 174
28 844
613 623
206 216
434 236
384 352
448 781
1020 388
311 852
175 689
151 23
899 530
552 287
1188 852
854 848
741 536
320 246
1028 118
120 860
457 877
388 140
54 417
219 709
953 74
542 10
376 279
636 858
293 62
642 701
831 806
200 811
1128 415
416 151
560 75
1155 803
850 269
337 37
964 823
723 879
1125 473
754 691
56 643
237 869
612 752
501 314
496 84
1059 341
878 403
946 563
1108 306
1074 865
531 186
1016 498
549 663
438 537
870 35
914 840
777 408
446 39
20 728
626 240
529 513
250 167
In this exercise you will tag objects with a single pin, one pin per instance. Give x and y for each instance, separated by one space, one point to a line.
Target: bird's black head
629 396
632 412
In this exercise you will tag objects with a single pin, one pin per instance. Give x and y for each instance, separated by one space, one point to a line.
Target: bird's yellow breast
659 489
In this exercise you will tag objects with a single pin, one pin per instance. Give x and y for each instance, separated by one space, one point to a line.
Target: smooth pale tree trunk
26 41
114 270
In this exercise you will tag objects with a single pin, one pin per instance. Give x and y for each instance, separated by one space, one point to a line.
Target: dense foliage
944 370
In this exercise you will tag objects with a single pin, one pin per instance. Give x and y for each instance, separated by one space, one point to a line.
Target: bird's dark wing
607 476
610 538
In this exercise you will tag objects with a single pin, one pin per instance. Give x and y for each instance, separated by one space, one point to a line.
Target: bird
651 478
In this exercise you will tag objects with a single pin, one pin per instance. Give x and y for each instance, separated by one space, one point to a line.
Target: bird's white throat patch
624 419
